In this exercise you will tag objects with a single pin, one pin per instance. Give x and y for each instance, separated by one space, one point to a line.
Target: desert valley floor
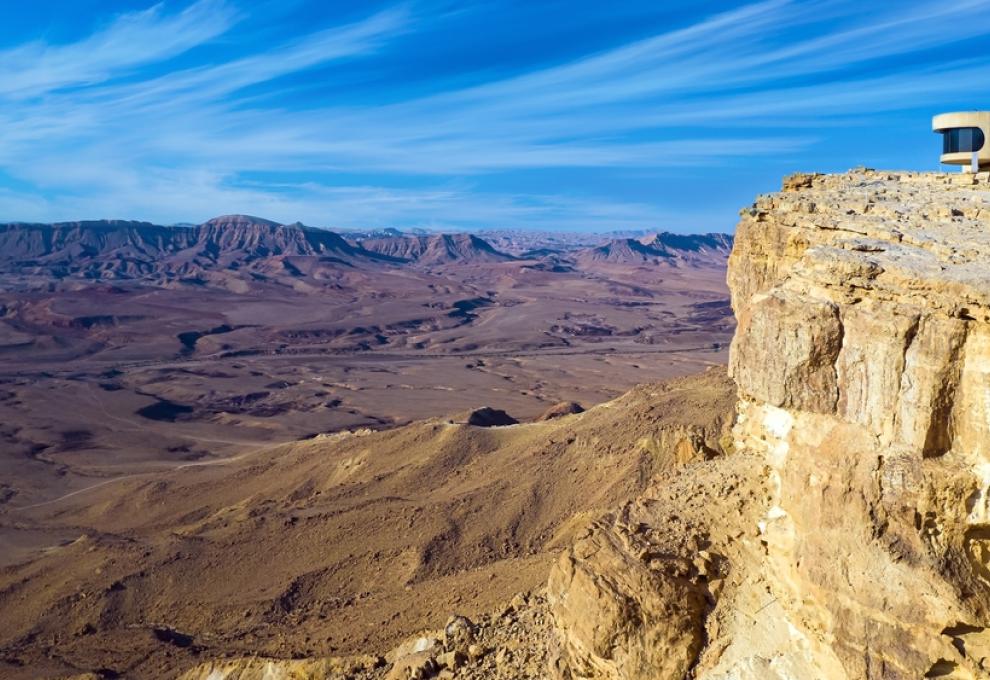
133 380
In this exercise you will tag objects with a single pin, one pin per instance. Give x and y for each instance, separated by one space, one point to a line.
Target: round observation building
964 138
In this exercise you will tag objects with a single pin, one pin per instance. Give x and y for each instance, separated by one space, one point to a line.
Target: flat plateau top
924 236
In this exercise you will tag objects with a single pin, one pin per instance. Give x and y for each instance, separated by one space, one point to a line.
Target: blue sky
504 114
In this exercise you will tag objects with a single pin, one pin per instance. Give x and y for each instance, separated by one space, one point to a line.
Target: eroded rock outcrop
863 365
862 359
632 598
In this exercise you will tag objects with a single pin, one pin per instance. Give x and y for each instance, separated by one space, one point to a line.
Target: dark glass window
957 140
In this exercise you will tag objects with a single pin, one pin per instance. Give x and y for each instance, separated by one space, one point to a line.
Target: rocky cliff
863 365
850 535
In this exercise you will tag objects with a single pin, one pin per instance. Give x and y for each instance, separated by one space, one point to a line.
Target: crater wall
848 534
862 360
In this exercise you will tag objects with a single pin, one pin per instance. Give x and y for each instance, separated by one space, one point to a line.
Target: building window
962 140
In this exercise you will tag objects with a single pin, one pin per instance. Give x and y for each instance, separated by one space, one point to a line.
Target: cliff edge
862 359
863 365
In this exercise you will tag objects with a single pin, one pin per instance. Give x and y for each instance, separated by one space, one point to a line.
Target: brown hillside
340 544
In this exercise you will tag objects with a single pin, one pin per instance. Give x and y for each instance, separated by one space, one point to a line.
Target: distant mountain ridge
436 249
695 249
119 249
624 250
19 241
711 243
257 248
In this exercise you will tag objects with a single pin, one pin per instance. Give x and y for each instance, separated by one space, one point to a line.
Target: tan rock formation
863 369
282 669
631 598
862 359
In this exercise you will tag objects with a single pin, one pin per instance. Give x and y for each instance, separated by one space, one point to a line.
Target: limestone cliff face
862 359
863 365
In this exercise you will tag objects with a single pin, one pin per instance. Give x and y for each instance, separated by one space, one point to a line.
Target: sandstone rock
502 656
631 600
808 333
564 408
417 666
299 669
423 643
489 417
646 621
862 364
458 632
519 601
452 660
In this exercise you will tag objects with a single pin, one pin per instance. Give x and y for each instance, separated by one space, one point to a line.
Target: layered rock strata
862 359
863 365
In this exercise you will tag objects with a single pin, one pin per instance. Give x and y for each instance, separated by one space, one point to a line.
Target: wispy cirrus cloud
109 123
129 41
213 83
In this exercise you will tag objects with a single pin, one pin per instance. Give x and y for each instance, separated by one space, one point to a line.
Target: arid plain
147 371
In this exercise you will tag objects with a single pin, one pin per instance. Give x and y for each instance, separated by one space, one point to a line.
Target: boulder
559 410
489 417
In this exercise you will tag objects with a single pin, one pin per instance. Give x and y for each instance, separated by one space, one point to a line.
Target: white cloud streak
83 127
129 41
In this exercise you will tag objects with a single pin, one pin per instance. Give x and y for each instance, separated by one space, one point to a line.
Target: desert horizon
418 340
135 355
